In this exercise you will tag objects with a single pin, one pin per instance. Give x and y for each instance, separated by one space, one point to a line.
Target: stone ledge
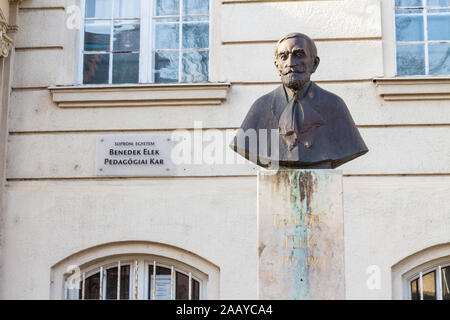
413 88
139 95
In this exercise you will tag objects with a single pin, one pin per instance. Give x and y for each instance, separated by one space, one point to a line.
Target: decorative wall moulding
139 95
5 41
413 88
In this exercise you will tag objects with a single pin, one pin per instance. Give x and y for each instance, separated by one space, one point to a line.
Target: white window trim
425 41
144 54
404 88
211 93
389 43
405 269
97 255
146 63
413 88
388 32
140 95
437 267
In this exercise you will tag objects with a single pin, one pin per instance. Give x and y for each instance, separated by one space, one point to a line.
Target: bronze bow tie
298 123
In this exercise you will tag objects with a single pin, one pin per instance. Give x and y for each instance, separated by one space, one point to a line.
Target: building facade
77 70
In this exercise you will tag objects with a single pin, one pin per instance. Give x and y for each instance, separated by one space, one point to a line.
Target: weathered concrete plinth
300 235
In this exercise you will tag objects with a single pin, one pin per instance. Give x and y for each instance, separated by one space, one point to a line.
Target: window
146 41
422 37
432 284
138 279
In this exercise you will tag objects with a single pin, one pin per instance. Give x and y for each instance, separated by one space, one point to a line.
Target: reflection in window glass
126 67
195 6
182 286
98 8
409 27
105 25
166 66
127 9
97 35
422 30
408 3
166 35
92 287
126 35
438 3
164 281
195 66
195 290
96 68
439 27
195 35
111 283
410 59
415 294
439 58
429 286
179 36
167 7
446 283
181 41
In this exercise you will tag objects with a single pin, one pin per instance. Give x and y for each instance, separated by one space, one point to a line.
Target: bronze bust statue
299 124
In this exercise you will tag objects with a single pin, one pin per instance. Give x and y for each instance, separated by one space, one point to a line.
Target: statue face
295 63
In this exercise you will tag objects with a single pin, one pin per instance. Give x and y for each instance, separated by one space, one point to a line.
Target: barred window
145 41
422 37
135 280
431 284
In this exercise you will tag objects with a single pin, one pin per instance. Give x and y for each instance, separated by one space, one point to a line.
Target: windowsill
413 88
140 95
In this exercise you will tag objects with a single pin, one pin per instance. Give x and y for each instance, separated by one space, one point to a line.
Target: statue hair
309 41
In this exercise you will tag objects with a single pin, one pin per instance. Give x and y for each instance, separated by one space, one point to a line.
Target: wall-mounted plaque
134 155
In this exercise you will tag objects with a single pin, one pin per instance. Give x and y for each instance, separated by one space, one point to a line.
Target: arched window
431 284
423 275
131 278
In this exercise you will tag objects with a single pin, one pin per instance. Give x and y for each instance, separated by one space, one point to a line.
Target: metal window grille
441 283
93 284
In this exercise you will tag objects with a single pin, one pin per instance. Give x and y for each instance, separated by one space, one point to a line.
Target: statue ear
316 64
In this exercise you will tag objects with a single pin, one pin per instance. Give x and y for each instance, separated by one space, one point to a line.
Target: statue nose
290 61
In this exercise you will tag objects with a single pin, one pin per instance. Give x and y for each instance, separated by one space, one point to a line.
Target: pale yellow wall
394 197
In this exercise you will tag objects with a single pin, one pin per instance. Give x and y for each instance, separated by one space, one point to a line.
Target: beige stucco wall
394 197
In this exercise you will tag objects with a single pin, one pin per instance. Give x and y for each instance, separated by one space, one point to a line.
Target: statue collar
299 95
280 99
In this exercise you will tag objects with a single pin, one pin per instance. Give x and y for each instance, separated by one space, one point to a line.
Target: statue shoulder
260 111
266 100
328 97
335 108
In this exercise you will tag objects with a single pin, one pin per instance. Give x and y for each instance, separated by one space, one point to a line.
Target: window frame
437 268
425 41
146 61
393 87
142 265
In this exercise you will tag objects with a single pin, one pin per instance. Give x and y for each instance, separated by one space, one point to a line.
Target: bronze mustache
293 71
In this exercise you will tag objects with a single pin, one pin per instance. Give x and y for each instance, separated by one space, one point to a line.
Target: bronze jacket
335 142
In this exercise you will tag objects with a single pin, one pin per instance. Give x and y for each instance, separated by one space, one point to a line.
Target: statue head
296 59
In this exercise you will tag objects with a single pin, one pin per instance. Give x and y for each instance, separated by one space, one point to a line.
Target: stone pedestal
300 235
